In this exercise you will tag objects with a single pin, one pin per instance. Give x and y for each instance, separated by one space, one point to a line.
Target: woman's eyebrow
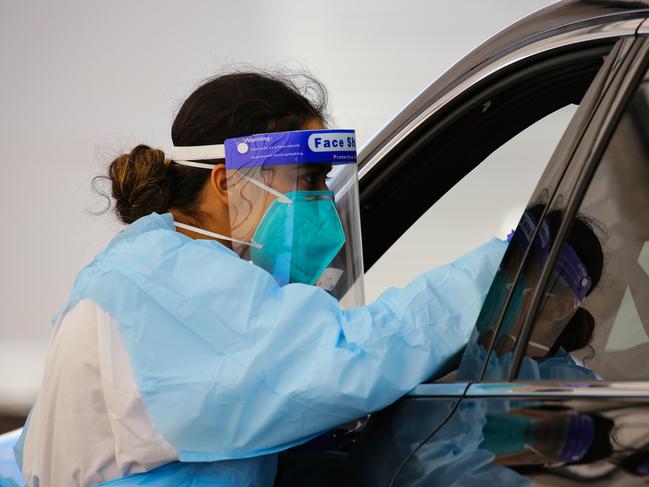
319 168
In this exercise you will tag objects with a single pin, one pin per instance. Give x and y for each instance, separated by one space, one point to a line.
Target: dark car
503 411
532 399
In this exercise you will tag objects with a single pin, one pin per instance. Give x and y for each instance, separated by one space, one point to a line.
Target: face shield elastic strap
280 197
217 152
179 156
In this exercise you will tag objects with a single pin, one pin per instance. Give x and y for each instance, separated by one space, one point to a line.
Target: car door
564 401
508 109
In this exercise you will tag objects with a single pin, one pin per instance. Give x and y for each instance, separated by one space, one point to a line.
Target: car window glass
487 203
503 303
593 323
477 165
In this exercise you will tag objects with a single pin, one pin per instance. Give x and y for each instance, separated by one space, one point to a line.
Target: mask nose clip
322 197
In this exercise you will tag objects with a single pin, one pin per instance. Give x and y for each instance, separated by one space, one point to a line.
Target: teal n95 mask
302 251
293 205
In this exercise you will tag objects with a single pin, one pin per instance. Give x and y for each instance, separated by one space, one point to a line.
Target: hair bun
140 183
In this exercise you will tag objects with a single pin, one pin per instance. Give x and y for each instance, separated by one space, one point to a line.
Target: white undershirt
89 424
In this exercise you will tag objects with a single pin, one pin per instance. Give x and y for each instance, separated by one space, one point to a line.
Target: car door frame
590 130
565 165
563 155
566 149
582 167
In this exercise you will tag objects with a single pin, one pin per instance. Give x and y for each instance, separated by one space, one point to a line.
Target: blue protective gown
232 368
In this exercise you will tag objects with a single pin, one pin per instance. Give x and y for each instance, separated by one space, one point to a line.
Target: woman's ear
560 308
219 183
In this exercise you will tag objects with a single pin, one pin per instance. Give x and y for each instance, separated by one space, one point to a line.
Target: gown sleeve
230 365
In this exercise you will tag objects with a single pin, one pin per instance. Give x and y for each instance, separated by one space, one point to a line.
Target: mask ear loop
281 197
530 343
179 156
538 345
207 233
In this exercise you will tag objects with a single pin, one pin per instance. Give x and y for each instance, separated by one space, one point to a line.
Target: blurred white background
83 81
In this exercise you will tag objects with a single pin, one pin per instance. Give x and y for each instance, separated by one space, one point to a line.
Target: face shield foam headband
569 266
301 232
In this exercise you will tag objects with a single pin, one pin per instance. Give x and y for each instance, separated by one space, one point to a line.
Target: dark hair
230 105
577 333
601 447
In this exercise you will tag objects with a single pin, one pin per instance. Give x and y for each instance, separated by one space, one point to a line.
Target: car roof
556 19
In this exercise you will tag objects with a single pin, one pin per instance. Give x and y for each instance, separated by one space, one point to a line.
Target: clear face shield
293 206
567 288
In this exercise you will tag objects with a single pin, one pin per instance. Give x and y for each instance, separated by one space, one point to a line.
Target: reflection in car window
455 219
608 333
504 140
472 212
576 275
520 295
493 442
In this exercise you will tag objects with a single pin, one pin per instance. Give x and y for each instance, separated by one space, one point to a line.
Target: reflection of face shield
553 436
567 288
285 213
572 274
